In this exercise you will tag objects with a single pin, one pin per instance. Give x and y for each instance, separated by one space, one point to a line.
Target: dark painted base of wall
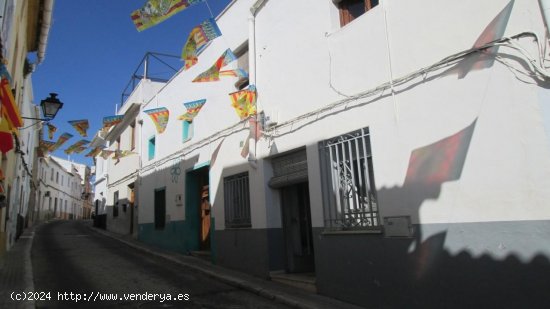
378 272
176 236
247 250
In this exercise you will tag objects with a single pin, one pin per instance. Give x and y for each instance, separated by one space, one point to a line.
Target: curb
231 280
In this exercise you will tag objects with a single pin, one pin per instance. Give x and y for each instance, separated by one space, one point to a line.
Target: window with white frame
349 191
237 201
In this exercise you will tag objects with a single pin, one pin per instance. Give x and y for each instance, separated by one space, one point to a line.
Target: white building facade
59 190
399 150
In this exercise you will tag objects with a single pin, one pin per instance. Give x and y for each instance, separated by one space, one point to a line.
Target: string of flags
152 13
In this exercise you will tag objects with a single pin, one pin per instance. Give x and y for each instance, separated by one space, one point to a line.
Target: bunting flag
235 73
244 102
106 153
246 148
156 11
193 109
80 149
46 146
256 128
76 146
199 36
51 130
122 153
94 152
213 73
6 138
111 121
81 126
10 111
160 117
61 140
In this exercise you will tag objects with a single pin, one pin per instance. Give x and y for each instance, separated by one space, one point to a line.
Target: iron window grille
237 201
349 191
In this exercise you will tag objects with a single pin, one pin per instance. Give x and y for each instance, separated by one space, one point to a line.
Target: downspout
254 9
45 29
545 8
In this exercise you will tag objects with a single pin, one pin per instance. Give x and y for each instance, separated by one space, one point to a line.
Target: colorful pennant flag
46 146
61 140
122 153
193 109
106 153
256 128
51 130
156 11
213 73
235 73
76 146
80 149
160 117
81 126
111 121
94 152
244 102
10 111
199 36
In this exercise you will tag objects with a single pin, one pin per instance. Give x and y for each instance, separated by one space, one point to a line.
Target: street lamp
50 106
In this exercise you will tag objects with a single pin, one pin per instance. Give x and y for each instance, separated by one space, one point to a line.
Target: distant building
60 191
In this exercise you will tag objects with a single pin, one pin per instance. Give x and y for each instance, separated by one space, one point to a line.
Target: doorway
297 228
197 205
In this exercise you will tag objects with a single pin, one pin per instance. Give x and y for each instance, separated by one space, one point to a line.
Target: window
187 130
62 180
160 208
349 192
133 135
152 148
351 9
115 204
51 178
237 201
242 63
57 177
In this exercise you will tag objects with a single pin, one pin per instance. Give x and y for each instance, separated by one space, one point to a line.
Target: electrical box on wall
179 199
398 226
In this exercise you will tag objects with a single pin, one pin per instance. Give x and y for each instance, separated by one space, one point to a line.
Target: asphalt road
69 258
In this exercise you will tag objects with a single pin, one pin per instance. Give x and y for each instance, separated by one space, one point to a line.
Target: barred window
349 192
237 201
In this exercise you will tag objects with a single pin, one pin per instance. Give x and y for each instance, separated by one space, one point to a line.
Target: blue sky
93 50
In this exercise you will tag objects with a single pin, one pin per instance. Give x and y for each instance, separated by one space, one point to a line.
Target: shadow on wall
158 223
417 273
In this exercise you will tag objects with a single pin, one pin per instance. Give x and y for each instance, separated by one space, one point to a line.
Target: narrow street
68 257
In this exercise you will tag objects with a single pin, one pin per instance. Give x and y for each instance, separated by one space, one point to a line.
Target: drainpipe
45 29
254 9
545 8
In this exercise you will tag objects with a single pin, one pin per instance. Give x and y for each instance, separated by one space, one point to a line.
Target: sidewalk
287 295
16 272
